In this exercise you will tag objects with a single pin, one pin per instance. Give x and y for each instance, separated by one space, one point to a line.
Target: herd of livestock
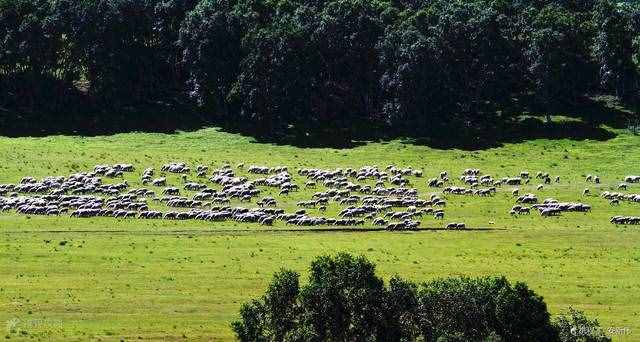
365 196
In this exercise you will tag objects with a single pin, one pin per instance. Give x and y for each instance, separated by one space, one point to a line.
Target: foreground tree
344 300
483 308
574 326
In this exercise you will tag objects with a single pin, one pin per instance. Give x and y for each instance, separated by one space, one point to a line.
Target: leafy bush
344 300
574 326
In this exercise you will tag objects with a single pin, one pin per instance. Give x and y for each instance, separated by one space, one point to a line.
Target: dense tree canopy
344 300
336 69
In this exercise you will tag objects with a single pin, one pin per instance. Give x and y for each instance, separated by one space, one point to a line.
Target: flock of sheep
365 196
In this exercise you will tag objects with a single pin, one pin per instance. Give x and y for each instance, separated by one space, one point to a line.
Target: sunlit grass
129 278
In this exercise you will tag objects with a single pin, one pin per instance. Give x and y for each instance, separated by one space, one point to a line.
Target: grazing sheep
267 221
159 182
440 203
585 192
625 220
124 167
192 186
527 198
404 225
632 179
551 208
513 181
175 168
379 221
451 225
549 212
171 191
26 180
84 195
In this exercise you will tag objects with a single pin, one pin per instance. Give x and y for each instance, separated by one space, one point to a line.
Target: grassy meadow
108 279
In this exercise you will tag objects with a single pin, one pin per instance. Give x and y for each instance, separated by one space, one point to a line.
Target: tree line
344 300
331 69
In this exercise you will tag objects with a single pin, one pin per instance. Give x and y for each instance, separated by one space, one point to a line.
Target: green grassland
78 279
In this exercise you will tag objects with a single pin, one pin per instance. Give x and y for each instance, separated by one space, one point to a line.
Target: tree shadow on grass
326 139
583 119
164 122
157 118
593 110
586 118
88 119
530 128
312 141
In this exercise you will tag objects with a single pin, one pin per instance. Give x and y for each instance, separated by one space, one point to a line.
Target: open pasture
105 277
567 163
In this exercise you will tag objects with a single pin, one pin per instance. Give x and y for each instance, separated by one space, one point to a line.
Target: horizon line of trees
335 69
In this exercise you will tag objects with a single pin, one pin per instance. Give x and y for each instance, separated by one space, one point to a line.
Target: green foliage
33 68
312 67
558 55
210 38
126 46
457 56
476 309
614 47
327 69
574 326
344 300
30 39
